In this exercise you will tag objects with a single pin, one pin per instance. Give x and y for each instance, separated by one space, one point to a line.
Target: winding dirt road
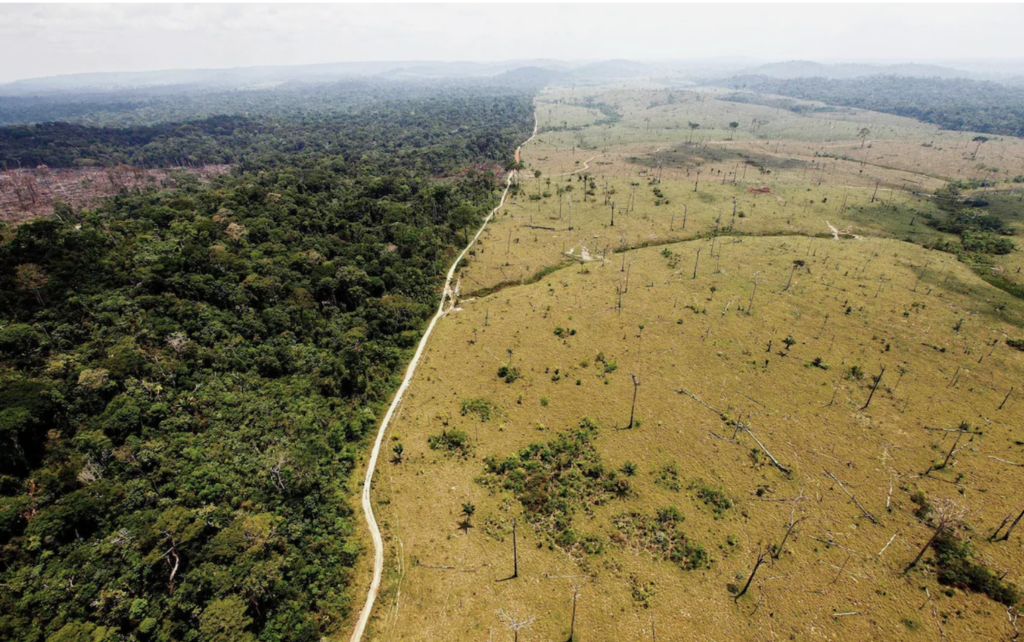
378 544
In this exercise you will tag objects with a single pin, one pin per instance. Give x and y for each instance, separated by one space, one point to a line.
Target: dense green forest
385 124
129 107
950 103
187 377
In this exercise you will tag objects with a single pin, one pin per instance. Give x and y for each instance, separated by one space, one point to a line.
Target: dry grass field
755 282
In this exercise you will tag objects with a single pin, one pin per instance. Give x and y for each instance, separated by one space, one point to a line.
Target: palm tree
863 135
732 126
693 126
979 140
468 509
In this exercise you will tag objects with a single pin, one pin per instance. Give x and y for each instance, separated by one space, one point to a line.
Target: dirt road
378 544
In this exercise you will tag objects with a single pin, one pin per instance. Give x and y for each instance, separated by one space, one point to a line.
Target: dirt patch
27 194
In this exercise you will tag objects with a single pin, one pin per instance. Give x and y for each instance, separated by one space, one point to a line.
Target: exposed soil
27 194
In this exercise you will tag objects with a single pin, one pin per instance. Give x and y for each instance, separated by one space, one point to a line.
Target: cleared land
754 330
27 194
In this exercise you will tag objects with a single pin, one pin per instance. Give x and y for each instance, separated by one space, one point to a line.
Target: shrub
453 441
713 497
956 569
480 407
660 535
556 479
508 373
668 477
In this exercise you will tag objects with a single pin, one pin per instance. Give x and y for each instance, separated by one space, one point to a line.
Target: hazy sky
43 40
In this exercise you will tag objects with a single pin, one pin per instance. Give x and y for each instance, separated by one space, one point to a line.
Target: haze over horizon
74 39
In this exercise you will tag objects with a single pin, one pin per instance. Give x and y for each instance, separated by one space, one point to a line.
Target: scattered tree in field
399 451
863 134
948 515
1006 535
761 557
732 129
636 387
693 127
878 380
797 264
515 622
980 140
467 511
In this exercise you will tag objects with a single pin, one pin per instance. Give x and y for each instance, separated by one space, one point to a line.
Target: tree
693 127
979 140
761 557
224 620
948 514
636 386
399 450
732 129
515 622
467 510
30 276
863 134
877 379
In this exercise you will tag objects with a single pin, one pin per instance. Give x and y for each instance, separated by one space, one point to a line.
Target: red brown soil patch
27 194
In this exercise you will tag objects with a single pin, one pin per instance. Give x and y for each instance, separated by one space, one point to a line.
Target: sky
53 39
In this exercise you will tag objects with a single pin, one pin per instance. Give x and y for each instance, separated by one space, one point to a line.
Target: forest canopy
950 103
187 376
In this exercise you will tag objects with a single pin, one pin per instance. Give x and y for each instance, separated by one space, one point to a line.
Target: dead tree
1005 398
572 622
750 304
878 380
636 386
964 427
948 515
792 524
515 551
697 262
1006 535
515 622
760 560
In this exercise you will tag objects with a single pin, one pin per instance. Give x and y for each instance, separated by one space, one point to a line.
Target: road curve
378 544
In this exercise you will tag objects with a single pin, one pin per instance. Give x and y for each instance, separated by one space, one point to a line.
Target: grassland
752 336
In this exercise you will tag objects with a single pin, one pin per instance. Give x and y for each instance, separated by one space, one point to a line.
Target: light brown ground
443 583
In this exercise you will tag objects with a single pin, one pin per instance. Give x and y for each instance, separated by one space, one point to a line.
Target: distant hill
608 70
951 103
810 69
262 77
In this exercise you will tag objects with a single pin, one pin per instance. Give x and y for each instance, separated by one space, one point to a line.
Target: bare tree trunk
878 380
515 552
917 559
1006 535
760 561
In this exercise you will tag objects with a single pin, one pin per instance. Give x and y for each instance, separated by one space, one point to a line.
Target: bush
480 407
508 373
953 559
661 536
713 497
453 441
